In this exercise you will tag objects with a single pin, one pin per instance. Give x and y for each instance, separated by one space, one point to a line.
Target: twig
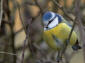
69 37
68 40
1 11
22 21
8 53
74 23
41 10
76 19
26 31
13 45
1 52
63 9
7 12
12 33
80 26
24 46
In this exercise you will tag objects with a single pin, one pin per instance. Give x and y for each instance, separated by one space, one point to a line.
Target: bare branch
63 9
8 53
1 11
25 25
80 25
1 52
24 46
22 21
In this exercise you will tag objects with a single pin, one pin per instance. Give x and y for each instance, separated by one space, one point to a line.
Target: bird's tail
76 46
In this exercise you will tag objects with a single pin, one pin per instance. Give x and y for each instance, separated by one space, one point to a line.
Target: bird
56 32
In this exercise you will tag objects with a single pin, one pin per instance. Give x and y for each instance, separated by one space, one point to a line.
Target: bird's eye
50 21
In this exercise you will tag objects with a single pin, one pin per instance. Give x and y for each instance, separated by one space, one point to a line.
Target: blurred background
21 30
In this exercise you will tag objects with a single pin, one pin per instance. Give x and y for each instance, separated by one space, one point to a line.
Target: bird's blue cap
47 16
50 15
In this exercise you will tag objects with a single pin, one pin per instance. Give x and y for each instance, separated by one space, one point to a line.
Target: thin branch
22 21
24 46
1 11
1 52
41 10
8 53
63 9
68 41
69 37
27 3
26 32
78 14
74 23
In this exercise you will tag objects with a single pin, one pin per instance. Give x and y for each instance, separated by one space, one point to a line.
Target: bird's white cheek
53 23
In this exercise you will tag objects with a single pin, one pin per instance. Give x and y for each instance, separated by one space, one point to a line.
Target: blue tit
57 30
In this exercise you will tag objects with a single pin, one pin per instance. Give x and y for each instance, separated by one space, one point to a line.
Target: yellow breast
61 32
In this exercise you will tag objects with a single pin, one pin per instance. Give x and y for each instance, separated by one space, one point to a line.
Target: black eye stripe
51 20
